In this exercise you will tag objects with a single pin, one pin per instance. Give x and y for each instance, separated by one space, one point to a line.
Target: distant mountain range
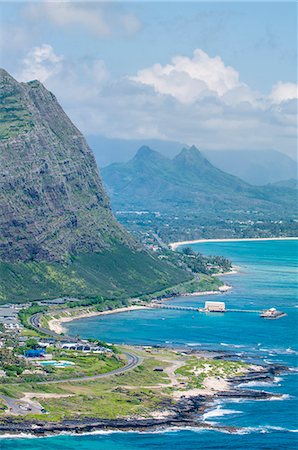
59 236
257 167
110 150
189 181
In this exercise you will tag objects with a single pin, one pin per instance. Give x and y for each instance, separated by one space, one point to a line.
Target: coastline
175 245
56 324
188 411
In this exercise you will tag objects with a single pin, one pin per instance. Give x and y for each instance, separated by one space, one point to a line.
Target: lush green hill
153 182
188 198
257 167
58 234
120 273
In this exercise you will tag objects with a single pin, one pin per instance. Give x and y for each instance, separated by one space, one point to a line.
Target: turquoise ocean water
267 277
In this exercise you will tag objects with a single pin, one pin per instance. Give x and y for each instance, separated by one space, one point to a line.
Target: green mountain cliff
58 234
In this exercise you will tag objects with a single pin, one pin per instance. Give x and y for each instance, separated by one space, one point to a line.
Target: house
6 312
215 306
35 353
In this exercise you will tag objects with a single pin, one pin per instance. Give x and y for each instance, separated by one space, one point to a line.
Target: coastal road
133 360
35 323
20 407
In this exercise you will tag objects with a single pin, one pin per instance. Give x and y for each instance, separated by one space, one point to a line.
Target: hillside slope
188 181
58 234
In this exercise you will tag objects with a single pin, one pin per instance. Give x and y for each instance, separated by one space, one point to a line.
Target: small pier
180 308
201 310
272 313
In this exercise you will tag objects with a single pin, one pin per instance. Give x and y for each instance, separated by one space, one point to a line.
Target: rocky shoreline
187 412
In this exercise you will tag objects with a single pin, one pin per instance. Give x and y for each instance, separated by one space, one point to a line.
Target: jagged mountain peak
146 153
188 179
191 154
4 75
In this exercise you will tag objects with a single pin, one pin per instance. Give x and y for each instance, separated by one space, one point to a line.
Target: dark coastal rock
186 413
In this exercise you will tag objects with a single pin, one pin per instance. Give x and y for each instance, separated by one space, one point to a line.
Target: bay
267 277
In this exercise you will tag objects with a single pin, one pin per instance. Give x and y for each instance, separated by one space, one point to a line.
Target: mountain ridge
43 186
188 178
59 236
257 167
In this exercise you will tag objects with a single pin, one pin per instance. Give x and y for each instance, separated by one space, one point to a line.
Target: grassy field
113 274
141 391
82 364
197 370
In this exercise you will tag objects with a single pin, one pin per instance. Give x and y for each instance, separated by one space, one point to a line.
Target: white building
215 306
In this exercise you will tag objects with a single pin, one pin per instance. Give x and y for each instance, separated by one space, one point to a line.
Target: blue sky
226 76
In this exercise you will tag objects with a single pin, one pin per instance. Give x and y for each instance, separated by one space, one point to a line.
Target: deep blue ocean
267 277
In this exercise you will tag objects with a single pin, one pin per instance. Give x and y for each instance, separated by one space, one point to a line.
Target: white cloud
73 82
40 63
221 112
98 19
282 92
188 79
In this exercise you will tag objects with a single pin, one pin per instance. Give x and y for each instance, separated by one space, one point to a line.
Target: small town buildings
211 306
35 353
83 347
11 324
9 318
7 312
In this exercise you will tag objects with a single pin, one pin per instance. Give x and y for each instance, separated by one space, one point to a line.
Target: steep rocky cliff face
58 234
52 200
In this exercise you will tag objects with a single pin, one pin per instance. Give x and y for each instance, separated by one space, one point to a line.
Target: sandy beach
233 271
56 324
174 245
221 290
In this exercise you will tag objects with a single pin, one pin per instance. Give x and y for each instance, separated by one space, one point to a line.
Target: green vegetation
187 198
60 237
25 314
207 265
3 406
20 370
204 283
15 118
120 273
140 391
197 370
10 361
117 396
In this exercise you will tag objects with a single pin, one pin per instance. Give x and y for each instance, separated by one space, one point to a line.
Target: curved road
132 359
132 362
21 407
34 322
